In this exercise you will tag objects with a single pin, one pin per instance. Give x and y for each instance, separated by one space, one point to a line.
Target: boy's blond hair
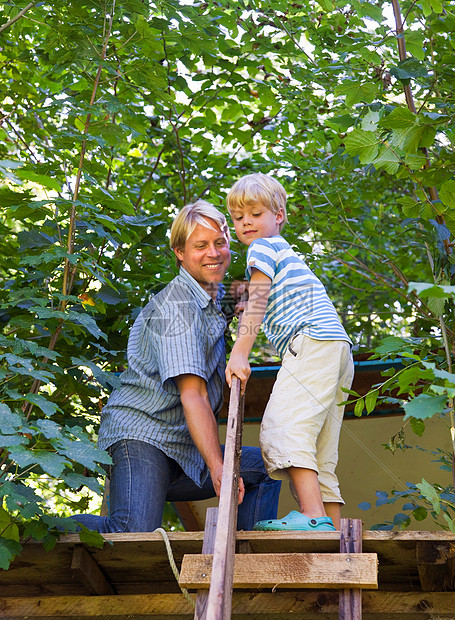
189 217
258 188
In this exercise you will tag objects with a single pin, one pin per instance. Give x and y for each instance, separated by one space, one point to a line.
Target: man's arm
252 317
203 427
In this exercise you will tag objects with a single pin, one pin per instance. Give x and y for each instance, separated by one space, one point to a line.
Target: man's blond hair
189 217
258 188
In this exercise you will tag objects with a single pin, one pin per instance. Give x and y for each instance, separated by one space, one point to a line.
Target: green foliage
114 116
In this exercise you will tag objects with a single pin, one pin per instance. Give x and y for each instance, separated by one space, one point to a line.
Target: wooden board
291 570
305 605
220 594
138 564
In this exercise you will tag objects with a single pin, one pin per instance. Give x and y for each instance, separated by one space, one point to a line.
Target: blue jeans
143 478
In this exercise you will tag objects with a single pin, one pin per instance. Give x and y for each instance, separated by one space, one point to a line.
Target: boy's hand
239 366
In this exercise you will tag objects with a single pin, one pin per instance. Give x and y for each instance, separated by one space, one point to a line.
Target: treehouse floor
131 578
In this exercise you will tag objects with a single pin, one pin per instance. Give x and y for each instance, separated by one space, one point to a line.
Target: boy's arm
250 325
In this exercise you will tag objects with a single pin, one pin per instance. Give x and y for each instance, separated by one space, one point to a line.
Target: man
160 426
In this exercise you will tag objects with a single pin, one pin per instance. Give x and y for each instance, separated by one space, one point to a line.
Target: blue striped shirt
298 301
180 331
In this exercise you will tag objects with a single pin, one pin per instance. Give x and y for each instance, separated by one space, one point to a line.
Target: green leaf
340 123
370 400
356 92
50 462
436 305
387 160
41 179
9 549
50 429
92 539
48 407
415 43
450 522
426 289
399 118
391 344
430 494
447 194
420 513
411 207
83 452
8 528
88 322
362 143
106 379
11 422
368 9
418 426
77 480
359 407
425 406
409 69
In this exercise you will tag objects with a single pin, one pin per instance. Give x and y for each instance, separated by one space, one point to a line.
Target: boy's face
256 222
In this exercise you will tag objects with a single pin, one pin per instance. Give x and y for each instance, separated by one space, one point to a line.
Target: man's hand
203 427
239 366
216 476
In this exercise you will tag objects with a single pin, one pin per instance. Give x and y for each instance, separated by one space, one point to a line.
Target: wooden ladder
218 569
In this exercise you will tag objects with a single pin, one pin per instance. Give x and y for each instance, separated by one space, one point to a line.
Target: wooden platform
131 578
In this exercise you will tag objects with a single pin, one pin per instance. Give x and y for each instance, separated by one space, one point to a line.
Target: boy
302 421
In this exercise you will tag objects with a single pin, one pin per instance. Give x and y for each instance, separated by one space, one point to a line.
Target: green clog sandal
296 521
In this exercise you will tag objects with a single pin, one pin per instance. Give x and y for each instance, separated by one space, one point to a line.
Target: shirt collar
201 295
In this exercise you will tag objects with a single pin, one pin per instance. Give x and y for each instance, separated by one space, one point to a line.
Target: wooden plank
254 605
351 542
220 593
87 571
208 546
187 517
137 563
436 566
291 570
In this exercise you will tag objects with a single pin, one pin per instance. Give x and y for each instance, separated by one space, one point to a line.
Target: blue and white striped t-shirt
298 301
180 331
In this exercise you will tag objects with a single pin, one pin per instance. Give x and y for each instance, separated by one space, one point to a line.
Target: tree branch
17 17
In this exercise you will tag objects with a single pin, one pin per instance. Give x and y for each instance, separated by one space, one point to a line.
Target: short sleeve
262 256
178 341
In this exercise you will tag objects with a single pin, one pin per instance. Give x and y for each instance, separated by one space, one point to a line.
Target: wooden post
208 546
220 594
351 542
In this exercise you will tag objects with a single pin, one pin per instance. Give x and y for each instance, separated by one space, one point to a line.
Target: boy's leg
289 433
333 510
328 440
306 485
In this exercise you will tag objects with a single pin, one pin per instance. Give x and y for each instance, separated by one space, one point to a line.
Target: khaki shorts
302 421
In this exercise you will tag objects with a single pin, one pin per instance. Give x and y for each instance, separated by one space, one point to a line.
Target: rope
174 568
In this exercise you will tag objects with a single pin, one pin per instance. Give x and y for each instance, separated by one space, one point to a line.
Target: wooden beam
436 566
208 546
187 517
87 571
255 605
351 542
290 570
220 594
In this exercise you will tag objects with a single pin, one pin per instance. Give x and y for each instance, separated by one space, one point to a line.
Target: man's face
206 256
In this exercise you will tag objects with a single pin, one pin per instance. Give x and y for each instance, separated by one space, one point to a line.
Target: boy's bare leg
306 485
333 510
